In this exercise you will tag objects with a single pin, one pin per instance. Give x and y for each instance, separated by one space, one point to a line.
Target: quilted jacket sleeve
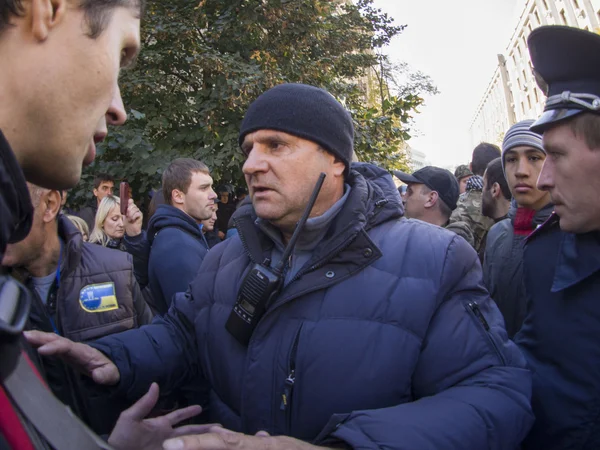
470 386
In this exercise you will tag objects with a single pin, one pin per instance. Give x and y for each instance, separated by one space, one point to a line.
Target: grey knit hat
520 135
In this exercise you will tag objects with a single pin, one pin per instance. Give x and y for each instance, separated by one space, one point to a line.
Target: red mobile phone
124 196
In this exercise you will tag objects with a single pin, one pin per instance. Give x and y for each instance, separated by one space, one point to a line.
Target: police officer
561 333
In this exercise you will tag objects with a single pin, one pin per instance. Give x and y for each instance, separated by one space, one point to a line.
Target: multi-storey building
512 94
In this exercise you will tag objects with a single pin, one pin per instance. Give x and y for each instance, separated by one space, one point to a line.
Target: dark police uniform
560 337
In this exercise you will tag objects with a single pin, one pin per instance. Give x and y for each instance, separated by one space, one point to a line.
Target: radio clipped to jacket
262 284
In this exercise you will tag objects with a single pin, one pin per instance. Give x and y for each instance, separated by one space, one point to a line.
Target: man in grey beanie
523 156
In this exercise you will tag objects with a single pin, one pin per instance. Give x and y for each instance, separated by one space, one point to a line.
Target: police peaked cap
566 62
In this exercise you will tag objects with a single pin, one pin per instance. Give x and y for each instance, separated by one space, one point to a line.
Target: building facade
512 94
417 159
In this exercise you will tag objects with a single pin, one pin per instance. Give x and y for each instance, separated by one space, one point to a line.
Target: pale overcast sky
456 43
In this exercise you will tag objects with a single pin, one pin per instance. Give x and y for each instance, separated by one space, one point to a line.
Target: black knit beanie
306 112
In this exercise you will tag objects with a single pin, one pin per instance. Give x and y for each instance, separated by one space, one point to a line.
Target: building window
523 108
575 4
519 83
535 93
529 101
563 17
545 5
537 17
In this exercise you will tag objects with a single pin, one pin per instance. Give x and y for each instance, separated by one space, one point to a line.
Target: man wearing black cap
380 333
561 333
431 196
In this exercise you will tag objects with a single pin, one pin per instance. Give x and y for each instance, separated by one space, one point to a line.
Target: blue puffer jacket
393 340
178 247
560 337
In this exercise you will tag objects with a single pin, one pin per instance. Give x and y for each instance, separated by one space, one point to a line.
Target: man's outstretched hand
134 432
221 439
82 357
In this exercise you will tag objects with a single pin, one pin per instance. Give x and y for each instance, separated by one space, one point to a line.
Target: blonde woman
109 227
113 230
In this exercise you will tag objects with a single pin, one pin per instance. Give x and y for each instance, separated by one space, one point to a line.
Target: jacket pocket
482 325
290 381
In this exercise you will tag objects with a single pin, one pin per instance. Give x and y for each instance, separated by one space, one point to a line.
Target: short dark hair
587 126
179 176
495 174
97 12
102 178
483 154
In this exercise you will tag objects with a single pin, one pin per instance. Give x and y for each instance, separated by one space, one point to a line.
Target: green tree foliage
203 63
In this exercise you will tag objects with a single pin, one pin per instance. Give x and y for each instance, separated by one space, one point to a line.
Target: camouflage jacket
468 214
463 230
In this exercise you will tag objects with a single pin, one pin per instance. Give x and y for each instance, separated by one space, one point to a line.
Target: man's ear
51 200
432 199
177 197
44 15
496 190
338 167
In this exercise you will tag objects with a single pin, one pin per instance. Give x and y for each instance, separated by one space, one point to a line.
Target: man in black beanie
379 333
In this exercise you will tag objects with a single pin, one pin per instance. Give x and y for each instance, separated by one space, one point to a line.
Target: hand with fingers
218 438
134 432
133 220
82 357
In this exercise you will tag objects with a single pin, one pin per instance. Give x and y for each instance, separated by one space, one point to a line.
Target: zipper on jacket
473 308
290 381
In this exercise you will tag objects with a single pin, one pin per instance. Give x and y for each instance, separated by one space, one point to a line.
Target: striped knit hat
520 135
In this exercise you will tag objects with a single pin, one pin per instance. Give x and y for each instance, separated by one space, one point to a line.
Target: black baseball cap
566 64
440 180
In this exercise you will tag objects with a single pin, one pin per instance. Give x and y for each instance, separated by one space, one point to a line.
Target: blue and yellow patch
96 298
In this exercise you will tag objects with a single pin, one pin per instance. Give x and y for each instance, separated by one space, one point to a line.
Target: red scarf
523 223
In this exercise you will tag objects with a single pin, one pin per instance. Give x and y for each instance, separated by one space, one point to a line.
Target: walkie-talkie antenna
290 247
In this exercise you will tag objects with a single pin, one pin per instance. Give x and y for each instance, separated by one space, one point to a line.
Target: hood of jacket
16 210
169 216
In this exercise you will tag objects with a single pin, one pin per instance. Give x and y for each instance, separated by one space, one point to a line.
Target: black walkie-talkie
262 284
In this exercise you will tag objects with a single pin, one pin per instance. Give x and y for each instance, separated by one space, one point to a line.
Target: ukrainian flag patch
95 298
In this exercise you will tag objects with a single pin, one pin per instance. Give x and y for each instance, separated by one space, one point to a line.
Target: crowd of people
328 308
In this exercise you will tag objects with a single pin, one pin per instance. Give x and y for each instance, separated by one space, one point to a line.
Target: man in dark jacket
522 158
561 333
175 230
382 335
81 291
104 184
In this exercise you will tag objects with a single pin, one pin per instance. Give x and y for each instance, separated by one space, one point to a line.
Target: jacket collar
578 258
73 241
373 199
16 211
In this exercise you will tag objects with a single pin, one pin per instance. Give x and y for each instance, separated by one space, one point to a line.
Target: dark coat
85 265
503 268
178 247
393 339
560 337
